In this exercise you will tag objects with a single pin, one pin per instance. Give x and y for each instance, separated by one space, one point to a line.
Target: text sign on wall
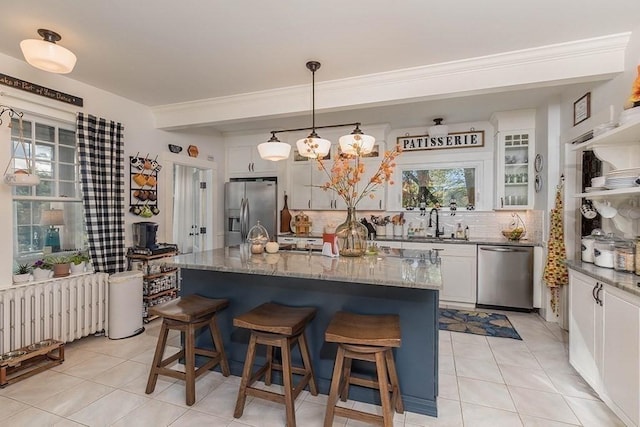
40 90
453 140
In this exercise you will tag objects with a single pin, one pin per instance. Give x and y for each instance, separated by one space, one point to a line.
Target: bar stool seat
370 338
275 325
188 314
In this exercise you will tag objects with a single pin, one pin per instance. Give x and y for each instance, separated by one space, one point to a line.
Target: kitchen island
400 282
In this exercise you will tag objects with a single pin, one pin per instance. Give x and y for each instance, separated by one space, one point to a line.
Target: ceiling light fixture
46 55
438 129
314 146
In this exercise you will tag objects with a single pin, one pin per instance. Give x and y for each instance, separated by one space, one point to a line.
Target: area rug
477 322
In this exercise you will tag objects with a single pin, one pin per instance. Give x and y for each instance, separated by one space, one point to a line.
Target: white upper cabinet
246 161
379 199
515 176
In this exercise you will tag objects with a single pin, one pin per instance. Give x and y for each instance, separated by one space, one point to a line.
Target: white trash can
125 304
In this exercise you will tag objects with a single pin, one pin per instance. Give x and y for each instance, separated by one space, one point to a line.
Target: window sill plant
60 265
41 270
22 273
78 262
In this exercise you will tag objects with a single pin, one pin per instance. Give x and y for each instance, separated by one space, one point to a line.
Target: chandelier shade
313 146
46 55
356 143
274 149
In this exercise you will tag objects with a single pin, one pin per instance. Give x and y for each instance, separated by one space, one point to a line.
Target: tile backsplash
482 224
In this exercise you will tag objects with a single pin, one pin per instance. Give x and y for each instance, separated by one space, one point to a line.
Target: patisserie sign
469 139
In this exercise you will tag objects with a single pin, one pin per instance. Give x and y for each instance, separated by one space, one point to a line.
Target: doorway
189 208
190 201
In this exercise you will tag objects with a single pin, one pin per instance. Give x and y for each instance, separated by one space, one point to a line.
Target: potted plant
41 269
61 265
78 262
22 273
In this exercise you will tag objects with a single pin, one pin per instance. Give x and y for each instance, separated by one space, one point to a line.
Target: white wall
140 135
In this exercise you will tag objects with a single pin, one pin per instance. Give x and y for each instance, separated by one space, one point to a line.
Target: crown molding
563 63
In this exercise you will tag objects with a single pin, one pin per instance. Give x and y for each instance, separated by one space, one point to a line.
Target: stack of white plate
622 178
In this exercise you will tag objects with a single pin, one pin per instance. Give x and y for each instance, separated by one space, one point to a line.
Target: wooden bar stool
370 338
280 326
188 314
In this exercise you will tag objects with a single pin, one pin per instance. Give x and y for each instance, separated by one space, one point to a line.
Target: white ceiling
166 51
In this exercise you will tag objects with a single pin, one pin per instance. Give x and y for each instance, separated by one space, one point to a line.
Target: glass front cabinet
515 177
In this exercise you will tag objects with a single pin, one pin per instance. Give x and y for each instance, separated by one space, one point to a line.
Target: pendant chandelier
46 55
313 146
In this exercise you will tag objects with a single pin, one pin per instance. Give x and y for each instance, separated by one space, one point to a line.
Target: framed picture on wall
582 109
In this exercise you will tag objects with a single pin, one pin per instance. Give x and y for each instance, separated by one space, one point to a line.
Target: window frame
477 165
56 200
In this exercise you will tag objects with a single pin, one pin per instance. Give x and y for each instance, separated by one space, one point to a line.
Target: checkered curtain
101 154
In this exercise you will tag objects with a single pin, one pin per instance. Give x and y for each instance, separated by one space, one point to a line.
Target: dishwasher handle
502 249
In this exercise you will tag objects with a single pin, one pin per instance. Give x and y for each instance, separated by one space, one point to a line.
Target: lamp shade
313 146
438 129
356 143
47 55
274 150
52 217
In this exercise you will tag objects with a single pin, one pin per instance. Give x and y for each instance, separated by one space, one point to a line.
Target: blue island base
416 359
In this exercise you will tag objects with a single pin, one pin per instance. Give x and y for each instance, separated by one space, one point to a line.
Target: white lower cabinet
585 328
458 269
604 342
621 352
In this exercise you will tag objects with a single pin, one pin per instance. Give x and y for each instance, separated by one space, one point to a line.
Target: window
51 146
439 185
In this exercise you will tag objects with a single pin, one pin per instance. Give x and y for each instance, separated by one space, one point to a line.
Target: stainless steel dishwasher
505 276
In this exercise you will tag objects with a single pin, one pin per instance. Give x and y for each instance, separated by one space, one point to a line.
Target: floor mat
477 322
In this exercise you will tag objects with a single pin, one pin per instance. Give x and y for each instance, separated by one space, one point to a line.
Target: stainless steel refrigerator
245 203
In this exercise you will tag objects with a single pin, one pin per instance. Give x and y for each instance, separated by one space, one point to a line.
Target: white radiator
63 309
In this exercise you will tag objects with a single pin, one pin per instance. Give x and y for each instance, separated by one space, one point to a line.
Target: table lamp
52 218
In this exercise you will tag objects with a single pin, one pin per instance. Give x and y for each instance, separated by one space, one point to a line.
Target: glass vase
352 236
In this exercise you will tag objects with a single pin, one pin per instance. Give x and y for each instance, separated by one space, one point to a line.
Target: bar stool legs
370 338
290 392
276 326
188 315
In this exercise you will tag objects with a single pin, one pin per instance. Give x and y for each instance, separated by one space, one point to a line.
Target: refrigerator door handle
243 227
245 220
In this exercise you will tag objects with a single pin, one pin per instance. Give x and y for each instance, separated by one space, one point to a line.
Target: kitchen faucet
437 221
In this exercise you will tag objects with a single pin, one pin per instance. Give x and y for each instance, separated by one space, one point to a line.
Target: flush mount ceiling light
314 146
438 129
46 55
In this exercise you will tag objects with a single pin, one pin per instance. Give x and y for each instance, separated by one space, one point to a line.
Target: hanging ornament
13 175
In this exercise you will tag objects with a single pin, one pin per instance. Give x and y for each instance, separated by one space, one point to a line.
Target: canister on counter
624 255
603 251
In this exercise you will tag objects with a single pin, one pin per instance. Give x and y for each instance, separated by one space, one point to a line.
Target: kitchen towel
555 270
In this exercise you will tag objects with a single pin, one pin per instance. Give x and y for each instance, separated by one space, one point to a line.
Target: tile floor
483 382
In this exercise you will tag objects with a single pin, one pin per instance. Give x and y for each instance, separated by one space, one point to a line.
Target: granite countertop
394 267
473 241
626 281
